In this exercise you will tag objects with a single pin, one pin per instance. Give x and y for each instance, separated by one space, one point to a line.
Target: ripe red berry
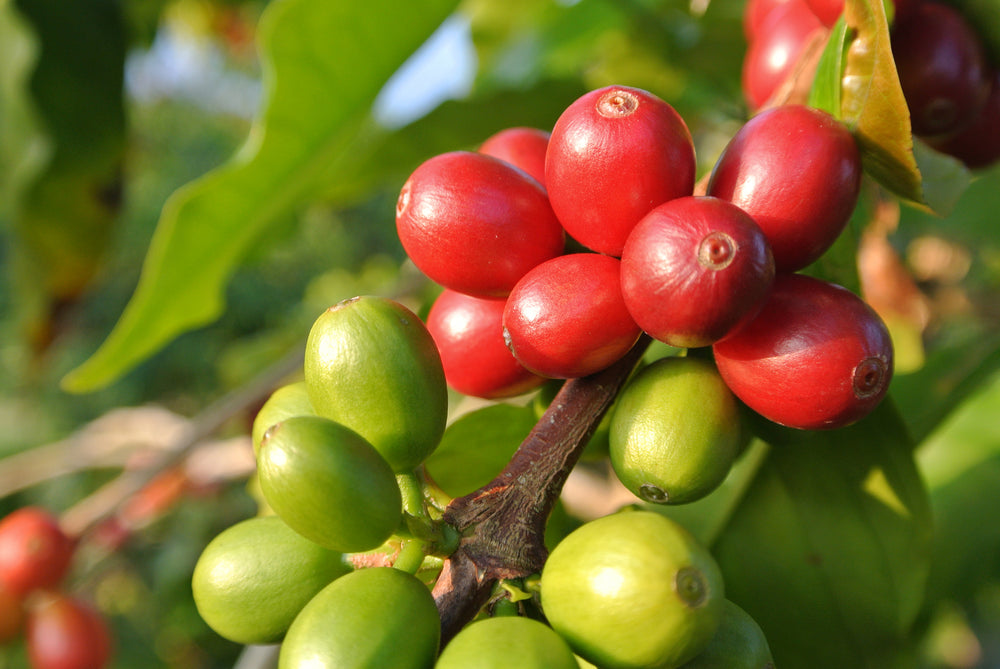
693 269
755 12
815 357
567 318
942 68
978 144
63 632
475 224
521 147
468 332
780 40
34 551
828 11
797 171
615 153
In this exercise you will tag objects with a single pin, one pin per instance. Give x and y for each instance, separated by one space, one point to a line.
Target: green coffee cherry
377 617
285 402
328 484
370 364
633 590
675 431
509 641
253 579
739 643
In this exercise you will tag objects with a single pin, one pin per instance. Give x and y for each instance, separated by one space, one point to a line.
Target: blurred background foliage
108 107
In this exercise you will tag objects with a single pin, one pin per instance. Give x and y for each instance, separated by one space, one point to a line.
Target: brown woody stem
503 523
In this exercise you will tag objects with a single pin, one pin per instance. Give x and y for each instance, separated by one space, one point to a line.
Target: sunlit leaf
324 63
826 89
829 550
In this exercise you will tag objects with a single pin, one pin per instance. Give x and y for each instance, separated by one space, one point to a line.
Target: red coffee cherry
468 332
942 68
693 269
779 42
63 632
567 318
755 12
521 147
827 11
475 224
978 144
34 551
797 171
614 154
815 357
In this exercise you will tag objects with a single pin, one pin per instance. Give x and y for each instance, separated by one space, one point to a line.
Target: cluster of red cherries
951 86
60 630
557 250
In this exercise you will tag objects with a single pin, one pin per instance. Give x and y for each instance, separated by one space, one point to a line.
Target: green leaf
873 105
945 179
324 63
829 550
825 93
477 446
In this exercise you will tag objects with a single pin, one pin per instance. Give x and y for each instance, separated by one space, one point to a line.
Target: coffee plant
671 343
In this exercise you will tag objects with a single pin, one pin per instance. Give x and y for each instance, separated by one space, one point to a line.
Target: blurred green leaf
944 178
324 63
477 446
873 105
829 550
826 88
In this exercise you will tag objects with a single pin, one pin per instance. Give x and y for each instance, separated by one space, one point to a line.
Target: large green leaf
829 550
324 63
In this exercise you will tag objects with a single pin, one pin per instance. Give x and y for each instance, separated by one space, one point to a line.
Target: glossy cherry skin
468 332
797 171
755 12
35 553
827 11
567 318
815 357
476 224
521 147
978 144
772 55
615 153
63 632
693 269
942 68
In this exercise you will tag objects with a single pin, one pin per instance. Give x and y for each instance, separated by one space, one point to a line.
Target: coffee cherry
827 11
567 318
375 617
675 431
978 143
64 632
816 357
772 55
285 402
693 269
633 590
253 579
371 365
523 148
942 68
468 332
615 153
797 171
328 484
35 553
755 12
509 641
475 224
739 643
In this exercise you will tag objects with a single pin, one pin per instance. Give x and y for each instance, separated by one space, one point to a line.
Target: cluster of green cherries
341 573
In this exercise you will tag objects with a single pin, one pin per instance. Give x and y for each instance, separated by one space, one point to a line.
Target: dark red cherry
475 224
942 68
567 318
780 40
693 269
615 153
797 171
815 357
468 332
521 147
978 144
